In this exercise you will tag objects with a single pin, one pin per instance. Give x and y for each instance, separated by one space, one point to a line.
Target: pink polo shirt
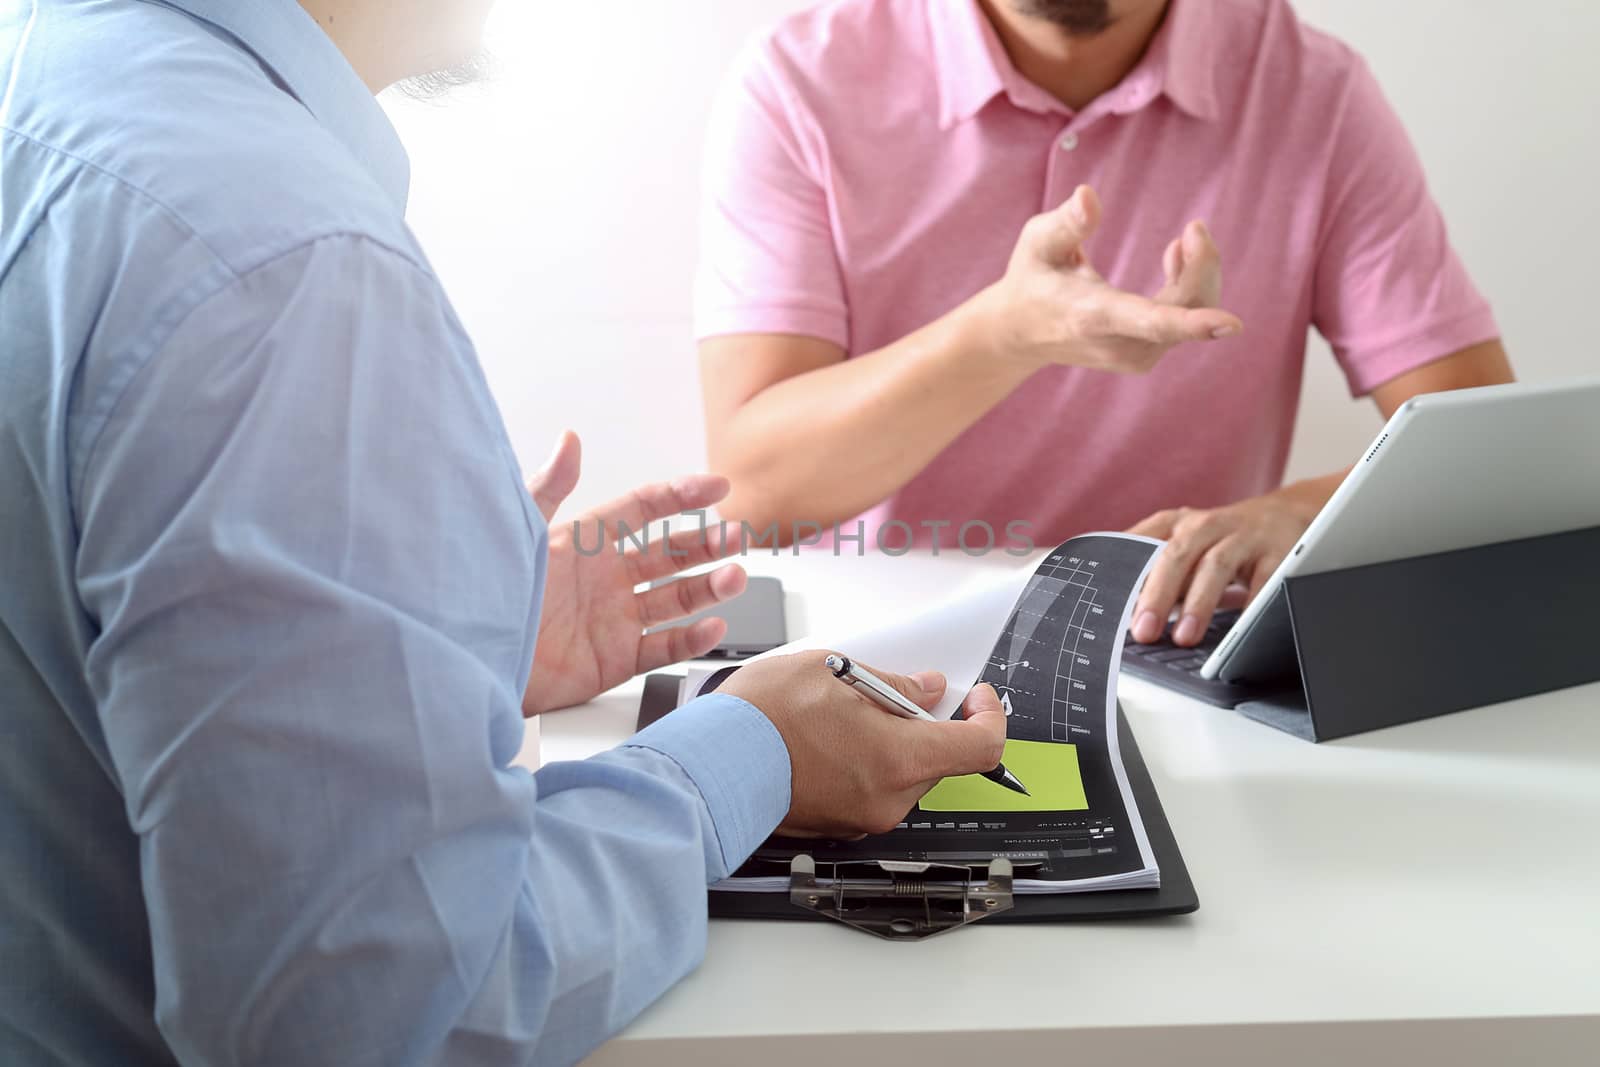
871 163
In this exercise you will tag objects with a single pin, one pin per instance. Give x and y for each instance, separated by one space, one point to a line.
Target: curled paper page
953 637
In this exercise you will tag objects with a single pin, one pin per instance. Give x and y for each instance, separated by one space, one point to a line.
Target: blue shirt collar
295 50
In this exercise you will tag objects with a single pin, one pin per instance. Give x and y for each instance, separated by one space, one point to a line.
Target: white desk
1428 893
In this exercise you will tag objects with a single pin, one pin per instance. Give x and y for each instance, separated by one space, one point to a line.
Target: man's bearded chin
438 83
1081 18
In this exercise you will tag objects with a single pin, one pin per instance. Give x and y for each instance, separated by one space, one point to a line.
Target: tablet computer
1450 470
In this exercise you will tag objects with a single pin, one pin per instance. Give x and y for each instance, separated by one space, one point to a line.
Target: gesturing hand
591 626
1052 306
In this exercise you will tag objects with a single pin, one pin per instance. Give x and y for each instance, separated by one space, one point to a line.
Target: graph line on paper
1051 658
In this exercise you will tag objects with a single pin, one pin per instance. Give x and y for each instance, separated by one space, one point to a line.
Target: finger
681 551
1069 228
1168 579
1148 626
648 503
984 699
969 745
689 595
1127 315
678 644
1172 261
1213 574
1158 526
555 481
925 688
1199 283
1264 569
1149 622
1234 597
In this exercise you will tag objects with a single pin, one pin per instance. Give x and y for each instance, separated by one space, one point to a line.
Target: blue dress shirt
270 590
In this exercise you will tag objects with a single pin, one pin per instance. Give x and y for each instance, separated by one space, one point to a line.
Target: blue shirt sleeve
315 575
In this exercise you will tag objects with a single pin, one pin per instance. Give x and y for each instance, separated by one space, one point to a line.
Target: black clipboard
1176 896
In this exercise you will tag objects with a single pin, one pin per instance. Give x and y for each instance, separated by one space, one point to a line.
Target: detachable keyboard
1164 663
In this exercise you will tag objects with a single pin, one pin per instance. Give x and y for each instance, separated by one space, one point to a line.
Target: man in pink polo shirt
953 271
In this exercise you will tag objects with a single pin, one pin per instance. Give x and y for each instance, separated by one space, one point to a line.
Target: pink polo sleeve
767 254
1390 293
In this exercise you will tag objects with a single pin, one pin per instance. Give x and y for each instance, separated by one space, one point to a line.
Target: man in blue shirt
272 585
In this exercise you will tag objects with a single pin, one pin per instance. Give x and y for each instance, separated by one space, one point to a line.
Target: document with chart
1049 639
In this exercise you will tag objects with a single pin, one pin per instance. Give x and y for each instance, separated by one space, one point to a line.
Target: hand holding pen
853 770
892 700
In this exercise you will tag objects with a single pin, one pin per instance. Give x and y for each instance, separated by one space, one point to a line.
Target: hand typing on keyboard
1210 550
1178 668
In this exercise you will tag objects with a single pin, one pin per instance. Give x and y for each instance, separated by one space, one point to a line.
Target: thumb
925 688
973 743
559 475
1068 228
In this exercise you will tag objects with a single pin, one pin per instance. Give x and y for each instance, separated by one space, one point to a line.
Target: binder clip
899 900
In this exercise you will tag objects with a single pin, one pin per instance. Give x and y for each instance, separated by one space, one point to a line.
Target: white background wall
558 203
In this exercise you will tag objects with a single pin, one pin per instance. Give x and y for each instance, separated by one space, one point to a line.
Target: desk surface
1432 889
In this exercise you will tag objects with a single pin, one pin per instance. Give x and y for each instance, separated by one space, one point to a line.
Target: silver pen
891 699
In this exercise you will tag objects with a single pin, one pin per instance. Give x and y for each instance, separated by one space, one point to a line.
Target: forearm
500 919
830 443
623 849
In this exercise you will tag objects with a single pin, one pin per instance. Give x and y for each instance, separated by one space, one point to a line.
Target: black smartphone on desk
661 693
660 696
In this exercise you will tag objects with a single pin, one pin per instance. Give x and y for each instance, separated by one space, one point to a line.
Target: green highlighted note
1049 770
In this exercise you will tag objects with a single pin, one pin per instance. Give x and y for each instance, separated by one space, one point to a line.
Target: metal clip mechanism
899 900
